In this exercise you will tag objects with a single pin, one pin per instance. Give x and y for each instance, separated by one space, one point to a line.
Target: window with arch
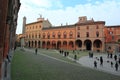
78 34
48 35
43 35
87 34
40 26
35 35
97 27
65 35
71 34
87 27
59 35
78 28
97 34
53 34
32 36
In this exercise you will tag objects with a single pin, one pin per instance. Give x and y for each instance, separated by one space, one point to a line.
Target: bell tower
24 23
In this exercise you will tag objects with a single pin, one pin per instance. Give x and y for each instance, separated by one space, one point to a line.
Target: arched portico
97 45
88 44
58 44
78 44
71 45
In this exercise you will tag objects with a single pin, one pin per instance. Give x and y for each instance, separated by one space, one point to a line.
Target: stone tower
24 23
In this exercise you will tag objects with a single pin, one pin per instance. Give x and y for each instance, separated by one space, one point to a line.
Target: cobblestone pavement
89 62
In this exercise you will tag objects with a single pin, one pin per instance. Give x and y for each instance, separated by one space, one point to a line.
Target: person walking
115 57
101 61
36 51
111 64
75 57
116 66
119 61
95 64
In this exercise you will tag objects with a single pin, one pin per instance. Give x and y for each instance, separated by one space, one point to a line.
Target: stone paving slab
89 62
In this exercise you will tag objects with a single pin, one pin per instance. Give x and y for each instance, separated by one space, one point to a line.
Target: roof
57 27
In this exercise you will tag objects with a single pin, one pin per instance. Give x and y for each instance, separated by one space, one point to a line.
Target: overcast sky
67 11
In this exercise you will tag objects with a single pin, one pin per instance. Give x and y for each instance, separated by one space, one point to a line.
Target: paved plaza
89 62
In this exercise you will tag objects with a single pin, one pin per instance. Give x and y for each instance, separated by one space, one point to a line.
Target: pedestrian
75 57
119 61
95 64
116 66
111 64
101 61
115 57
108 54
36 51
111 55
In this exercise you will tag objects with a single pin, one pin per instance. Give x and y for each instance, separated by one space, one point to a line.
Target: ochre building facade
83 35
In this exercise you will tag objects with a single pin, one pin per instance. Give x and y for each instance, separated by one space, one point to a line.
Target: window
71 34
53 35
87 27
110 32
36 36
48 35
65 35
32 36
59 34
97 27
78 28
43 35
78 34
112 37
97 34
87 34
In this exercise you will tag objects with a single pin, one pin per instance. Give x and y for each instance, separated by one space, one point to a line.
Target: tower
24 23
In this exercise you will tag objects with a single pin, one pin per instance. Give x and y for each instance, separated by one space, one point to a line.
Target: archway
32 44
39 44
48 44
78 43
54 44
28 43
88 44
35 43
71 45
58 44
97 45
43 44
65 44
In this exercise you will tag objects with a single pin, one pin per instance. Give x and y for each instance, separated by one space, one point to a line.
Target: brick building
8 22
112 37
83 35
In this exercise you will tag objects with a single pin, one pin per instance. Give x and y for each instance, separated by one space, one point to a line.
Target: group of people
66 53
116 61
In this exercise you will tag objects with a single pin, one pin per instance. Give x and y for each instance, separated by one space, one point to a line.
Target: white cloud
107 11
